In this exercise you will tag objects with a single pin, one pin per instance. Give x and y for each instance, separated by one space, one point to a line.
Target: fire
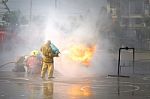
81 53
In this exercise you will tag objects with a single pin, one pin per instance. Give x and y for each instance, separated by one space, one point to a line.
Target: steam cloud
84 29
87 28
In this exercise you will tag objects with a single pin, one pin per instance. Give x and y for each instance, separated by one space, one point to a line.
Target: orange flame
81 53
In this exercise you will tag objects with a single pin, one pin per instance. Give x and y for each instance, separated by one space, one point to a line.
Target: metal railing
119 61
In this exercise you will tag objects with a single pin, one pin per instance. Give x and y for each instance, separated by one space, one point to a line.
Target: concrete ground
137 86
22 86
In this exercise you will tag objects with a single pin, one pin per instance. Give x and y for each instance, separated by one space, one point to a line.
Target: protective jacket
47 54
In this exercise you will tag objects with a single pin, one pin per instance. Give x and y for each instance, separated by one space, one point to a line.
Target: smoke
88 28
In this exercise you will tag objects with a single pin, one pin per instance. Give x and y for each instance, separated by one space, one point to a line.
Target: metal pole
119 63
30 11
129 14
4 2
55 3
133 59
49 6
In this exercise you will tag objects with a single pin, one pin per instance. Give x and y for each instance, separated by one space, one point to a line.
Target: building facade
3 10
131 15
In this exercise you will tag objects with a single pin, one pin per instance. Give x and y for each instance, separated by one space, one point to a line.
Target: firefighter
48 61
33 63
19 65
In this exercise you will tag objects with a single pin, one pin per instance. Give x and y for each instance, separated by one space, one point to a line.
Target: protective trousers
49 67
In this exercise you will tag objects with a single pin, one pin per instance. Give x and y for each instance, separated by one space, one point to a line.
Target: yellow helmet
34 52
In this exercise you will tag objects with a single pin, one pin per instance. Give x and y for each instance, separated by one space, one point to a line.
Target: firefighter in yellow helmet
48 60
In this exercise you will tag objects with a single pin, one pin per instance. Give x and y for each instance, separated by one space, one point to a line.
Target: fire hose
6 64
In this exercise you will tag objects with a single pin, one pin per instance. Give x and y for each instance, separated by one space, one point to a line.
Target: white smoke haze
65 31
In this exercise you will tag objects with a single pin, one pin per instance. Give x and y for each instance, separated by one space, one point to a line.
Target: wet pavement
22 86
